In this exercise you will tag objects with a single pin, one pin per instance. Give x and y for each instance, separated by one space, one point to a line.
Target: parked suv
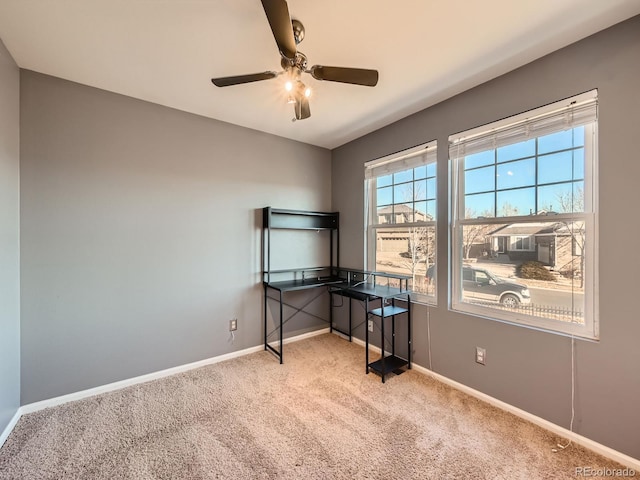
481 284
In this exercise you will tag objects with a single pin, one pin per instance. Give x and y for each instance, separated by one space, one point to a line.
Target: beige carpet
316 416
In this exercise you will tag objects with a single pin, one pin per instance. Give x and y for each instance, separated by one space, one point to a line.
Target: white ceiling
166 51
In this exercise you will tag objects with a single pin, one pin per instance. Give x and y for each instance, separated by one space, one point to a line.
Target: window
523 208
576 248
523 243
401 217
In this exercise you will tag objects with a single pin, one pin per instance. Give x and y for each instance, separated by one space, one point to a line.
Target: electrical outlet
233 325
481 355
370 325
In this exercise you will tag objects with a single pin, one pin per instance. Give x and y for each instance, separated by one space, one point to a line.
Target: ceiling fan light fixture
288 33
302 91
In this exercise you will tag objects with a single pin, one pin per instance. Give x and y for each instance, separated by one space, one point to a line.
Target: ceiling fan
288 34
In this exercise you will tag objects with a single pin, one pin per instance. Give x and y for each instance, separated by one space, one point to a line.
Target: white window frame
590 328
420 155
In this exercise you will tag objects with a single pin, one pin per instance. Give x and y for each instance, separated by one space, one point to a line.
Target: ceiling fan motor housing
298 31
299 62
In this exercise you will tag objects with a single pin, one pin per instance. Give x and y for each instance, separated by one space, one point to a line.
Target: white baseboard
302 336
9 428
592 445
110 387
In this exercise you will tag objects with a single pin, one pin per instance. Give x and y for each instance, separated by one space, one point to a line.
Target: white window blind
579 111
398 162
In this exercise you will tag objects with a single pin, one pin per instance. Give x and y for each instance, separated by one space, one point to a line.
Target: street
557 298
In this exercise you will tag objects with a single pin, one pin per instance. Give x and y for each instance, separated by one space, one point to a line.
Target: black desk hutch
353 284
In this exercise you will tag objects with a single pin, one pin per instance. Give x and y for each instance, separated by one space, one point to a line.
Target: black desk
297 284
362 286
388 295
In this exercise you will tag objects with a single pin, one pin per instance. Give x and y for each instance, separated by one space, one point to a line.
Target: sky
544 173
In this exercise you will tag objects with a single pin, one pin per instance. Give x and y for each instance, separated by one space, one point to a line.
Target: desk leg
330 312
281 327
393 330
409 331
350 309
265 317
366 335
382 339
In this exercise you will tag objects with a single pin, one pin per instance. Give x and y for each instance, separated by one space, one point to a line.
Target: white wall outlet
370 325
481 355
233 325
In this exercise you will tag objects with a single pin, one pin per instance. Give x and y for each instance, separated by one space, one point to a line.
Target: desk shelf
389 311
392 363
303 284
299 219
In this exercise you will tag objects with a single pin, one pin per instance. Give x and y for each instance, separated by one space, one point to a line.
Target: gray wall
9 237
528 368
140 234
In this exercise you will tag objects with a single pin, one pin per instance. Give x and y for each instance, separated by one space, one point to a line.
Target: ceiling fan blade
302 107
277 13
356 76
239 79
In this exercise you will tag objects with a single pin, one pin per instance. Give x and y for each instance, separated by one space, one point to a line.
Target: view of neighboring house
405 249
557 245
401 214
410 241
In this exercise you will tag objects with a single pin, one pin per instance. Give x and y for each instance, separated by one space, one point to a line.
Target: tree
471 233
420 239
421 246
508 210
571 202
